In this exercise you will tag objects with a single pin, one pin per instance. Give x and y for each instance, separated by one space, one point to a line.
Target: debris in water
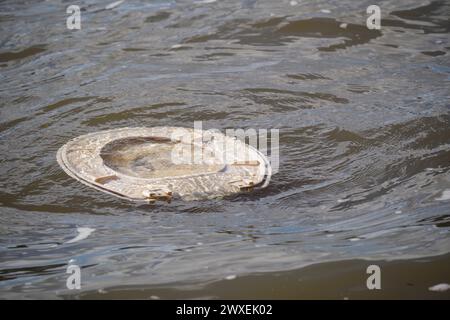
164 163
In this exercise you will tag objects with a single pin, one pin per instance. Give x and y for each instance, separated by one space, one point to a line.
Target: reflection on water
364 125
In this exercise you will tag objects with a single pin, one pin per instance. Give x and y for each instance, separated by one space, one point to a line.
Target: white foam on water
445 195
114 4
441 287
205 1
83 233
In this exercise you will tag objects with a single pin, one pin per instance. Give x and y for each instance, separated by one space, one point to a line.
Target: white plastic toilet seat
121 162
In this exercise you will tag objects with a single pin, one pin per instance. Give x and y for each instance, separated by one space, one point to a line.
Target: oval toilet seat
158 163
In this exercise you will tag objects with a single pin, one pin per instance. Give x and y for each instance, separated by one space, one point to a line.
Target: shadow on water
334 280
280 31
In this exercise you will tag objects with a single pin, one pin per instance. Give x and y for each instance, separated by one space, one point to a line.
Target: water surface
364 120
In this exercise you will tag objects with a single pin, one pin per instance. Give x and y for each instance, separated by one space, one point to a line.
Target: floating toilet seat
159 163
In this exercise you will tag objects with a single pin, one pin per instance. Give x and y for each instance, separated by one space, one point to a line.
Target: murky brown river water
364 120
